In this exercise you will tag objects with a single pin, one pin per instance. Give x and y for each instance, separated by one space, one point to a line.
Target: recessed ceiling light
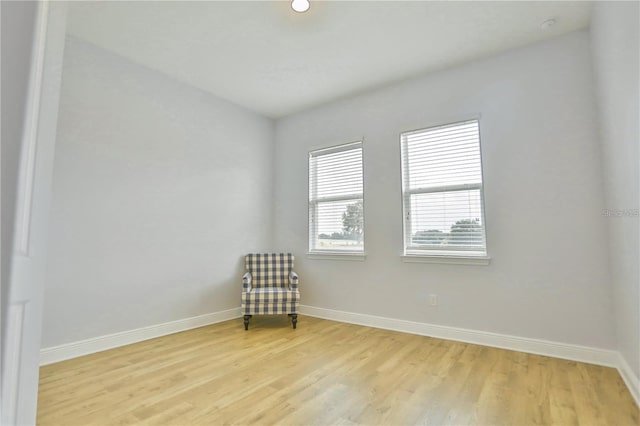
547 24
300 5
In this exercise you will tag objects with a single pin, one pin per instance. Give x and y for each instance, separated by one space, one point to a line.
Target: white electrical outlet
433 299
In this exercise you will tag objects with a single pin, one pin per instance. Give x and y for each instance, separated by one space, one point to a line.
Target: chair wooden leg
294 320
246 321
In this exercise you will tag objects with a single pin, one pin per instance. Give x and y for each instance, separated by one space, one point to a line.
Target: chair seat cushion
266 295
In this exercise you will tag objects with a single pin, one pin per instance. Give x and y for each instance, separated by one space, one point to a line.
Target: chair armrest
246 282
293 280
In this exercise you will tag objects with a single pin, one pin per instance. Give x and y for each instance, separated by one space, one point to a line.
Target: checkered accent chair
270 286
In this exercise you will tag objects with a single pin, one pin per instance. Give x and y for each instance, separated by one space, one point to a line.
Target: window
336 210
442 191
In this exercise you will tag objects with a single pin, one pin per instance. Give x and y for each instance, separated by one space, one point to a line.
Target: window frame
312 223
447 254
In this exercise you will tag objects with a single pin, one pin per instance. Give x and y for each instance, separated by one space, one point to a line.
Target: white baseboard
587 354
534 346
630 379
604 357
110 341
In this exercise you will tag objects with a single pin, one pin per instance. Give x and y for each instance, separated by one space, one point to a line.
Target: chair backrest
269 269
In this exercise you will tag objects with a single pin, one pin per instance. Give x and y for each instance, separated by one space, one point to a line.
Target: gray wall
159 191
548 277
615 35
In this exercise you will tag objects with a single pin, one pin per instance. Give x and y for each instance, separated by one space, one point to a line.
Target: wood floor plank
325 372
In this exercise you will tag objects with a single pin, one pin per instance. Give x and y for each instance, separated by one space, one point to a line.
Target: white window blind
442 191
336 210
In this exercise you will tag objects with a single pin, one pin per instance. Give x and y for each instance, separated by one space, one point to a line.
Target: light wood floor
325 373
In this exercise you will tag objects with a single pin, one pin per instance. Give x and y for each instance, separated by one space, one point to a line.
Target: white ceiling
265 57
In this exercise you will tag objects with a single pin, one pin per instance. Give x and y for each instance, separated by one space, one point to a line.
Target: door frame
21 351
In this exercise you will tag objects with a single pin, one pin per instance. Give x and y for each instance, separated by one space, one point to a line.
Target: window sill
453 260
332 255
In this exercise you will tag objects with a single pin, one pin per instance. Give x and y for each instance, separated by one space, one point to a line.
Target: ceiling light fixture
300 5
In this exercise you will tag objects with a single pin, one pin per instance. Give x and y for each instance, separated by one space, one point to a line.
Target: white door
26 283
